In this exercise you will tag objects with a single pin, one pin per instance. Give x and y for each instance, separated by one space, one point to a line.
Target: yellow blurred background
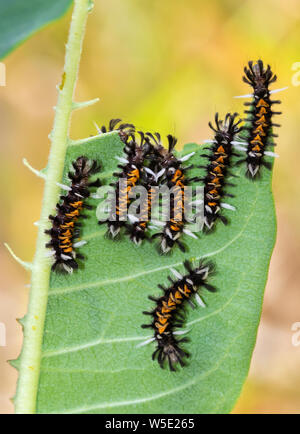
165 65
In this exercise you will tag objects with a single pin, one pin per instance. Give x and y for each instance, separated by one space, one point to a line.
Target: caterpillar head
168 349
226 129
259 77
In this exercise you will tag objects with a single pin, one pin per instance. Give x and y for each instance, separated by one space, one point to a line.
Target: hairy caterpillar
167 314
215 180
131 166
65 226
176 180
259 122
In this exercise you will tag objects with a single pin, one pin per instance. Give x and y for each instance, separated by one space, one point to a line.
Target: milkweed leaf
90 360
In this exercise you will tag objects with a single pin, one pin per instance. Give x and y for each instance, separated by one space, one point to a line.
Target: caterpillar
131 169
167 314
221 151
138 229
65 226
259 124
176 181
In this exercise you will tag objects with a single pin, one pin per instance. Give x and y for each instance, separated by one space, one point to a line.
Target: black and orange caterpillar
221 151
167 314
129 177
150 181
259 124
176 180
65 226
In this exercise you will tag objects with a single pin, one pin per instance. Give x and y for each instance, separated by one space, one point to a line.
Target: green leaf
19 19
90 360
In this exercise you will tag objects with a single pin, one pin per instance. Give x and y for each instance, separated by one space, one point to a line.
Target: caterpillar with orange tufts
258 128
65 225
167 314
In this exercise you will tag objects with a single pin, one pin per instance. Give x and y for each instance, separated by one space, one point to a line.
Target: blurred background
167 66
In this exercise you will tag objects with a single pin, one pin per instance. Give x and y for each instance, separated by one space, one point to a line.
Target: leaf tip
26 265
15 364
38 173
83 104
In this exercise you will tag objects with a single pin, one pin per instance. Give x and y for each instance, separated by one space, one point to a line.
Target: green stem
29 373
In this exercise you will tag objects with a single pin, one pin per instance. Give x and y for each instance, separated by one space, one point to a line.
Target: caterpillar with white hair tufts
259 122
65 226
222 149
176 180
167 314
131 165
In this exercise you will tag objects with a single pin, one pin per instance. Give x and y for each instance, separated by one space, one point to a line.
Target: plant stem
29 373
